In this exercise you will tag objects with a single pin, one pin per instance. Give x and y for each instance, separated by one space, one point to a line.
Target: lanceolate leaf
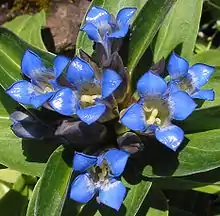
113 7
28 157
28 28
200 152
179 29
210 57
53 186
136 196
32 202
12 49
145 27
155 203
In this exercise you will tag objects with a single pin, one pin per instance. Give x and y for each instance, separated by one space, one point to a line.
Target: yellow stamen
47 89
152 117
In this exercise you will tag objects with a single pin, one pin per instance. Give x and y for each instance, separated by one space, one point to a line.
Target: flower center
100 174
88 100
156 111
186 85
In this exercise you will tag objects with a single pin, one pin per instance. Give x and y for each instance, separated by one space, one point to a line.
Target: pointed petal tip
171 136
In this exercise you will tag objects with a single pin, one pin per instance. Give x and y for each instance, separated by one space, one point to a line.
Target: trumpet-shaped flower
157 106
101 26
190 79
86 95
42 81
98 175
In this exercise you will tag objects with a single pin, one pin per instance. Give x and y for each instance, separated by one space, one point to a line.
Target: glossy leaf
155 203
32 202
210 57
28 157
179 29
145 27
112 6
200 152
53 186
28 28
12 49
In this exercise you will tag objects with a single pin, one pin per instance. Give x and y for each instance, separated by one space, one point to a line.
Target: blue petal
123 19
81 162
92 32
110 82
65 102
200 74
82 189
21 91
59 64
39 100
117 160
177 67
204 95
80 72
30 63
113 194
97 15
92 113
181 105
134 118
151 84
173 87
171 136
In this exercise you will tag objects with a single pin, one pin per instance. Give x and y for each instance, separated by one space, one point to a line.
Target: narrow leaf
28 28
145 27
179 29
53 186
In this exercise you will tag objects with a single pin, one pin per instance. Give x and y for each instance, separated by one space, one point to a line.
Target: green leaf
12 49
32 202
26 156
210 57
188 184
53 186
28 28
200 152
136 197
144 29
113 7
155 204
179 29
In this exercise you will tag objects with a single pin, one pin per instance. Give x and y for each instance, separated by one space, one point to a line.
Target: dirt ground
63 19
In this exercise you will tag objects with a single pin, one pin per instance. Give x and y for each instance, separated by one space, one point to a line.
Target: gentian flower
190 79
87 96
101 26
157 106
42 81
98 175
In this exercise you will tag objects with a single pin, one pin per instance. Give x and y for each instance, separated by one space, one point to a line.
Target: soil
63 21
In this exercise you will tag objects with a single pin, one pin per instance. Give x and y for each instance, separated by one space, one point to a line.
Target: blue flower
101 26
190 79
87 96
157 106
42 84
98 175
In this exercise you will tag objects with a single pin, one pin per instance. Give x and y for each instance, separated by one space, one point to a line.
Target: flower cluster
90 94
